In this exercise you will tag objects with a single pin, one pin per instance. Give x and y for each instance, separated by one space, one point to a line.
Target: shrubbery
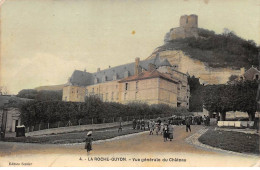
218 50
42 95
36 112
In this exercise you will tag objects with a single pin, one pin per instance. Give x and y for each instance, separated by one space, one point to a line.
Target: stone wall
107 91
74 93
188 28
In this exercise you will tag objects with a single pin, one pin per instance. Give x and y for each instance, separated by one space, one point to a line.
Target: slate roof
250 73
148 75
81 78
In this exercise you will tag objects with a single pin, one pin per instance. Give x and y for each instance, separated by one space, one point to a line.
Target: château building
153 81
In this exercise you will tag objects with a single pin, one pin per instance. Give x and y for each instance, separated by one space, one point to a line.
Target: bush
36 112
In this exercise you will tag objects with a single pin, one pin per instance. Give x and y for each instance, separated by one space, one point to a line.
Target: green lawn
232 141
74 137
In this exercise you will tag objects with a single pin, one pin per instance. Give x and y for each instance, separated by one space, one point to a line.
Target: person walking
161 128
188 123
151 127
165 132
88 140
170 131
157 128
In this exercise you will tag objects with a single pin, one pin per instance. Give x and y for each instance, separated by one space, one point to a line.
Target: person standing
170 131
157 128
165 132
88 144
151 127
120 128
134 124
188 123
142 125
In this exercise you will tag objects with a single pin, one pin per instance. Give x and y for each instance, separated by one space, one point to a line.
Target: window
106 96
92 90
112 96
77 91
126 86
116 86
86 93
125 96
256 76
136 85
116 96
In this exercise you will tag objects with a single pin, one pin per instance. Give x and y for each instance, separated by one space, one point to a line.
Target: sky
44 41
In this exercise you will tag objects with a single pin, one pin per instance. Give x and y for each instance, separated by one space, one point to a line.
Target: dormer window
104 78
95 80
126 74
115 77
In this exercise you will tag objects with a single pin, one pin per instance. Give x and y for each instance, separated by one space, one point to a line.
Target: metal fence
89 121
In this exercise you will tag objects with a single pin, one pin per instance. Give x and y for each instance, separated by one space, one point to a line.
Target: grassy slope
232 141
219 51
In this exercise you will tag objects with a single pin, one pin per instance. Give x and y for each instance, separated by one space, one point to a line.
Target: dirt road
134 150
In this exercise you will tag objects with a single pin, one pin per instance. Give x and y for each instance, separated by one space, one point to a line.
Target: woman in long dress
88 144
170 131
165 132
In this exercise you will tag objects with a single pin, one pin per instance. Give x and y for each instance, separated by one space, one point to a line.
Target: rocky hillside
225 50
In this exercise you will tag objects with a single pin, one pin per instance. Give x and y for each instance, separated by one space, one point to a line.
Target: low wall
237 124
75 128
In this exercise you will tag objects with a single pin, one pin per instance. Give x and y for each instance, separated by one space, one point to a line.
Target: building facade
153 81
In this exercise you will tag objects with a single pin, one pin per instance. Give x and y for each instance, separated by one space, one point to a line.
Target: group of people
162 128
139 124
206 120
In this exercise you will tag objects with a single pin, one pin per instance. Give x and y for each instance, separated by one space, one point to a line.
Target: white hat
89 133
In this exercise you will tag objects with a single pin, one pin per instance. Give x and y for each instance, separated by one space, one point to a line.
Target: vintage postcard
127 83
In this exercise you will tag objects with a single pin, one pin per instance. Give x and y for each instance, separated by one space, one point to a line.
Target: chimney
242 70
98 69
137 66
151 67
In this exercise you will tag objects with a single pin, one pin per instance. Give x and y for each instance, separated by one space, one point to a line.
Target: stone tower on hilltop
188 28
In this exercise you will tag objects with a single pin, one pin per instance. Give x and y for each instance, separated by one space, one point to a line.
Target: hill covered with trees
217 50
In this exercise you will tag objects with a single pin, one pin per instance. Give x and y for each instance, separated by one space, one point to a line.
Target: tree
195 101
3 90
47 95
27 93
240 96
245 97
232 77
